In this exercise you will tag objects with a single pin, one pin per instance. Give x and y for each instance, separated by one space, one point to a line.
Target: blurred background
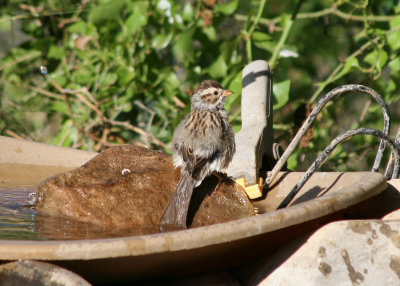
92 74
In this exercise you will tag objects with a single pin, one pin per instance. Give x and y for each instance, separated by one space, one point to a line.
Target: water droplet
32 198
43 70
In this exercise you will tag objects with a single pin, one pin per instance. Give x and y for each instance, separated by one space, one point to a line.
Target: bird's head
210 96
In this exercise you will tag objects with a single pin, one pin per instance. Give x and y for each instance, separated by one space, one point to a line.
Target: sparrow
203 143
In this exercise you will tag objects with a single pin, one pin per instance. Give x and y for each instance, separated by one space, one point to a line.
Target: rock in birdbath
128 186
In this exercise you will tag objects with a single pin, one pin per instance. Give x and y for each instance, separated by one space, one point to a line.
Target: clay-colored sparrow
203 143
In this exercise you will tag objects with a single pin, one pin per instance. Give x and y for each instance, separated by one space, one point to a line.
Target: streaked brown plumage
203 142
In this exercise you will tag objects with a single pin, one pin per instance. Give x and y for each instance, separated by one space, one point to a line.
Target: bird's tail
175 214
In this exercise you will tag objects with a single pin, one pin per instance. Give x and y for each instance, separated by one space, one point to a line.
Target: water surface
20 221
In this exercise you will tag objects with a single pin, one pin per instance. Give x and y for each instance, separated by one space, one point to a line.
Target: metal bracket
254 142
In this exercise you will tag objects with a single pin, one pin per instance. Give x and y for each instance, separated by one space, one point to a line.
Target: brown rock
129 186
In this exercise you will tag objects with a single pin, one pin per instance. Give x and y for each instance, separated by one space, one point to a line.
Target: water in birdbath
20 221
17 217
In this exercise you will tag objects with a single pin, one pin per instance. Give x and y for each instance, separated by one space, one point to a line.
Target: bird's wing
196 163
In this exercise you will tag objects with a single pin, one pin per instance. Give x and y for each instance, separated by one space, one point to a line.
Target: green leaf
5 23
390 89
137 19
161 41
236 87
78 27
228 8
394 40
109 79
263 41
106 11
59 79
395 22
260 36
68 133
281 93
56 52
183 48
171 83
218 69
395 65
59 107
210 33
382 59
267 46
188 12
350 65
83 75
377 58
236 84
292 161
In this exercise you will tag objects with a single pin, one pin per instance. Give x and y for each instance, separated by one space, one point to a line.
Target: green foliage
122 71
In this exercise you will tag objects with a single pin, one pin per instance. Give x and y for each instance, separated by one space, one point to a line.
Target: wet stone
129 186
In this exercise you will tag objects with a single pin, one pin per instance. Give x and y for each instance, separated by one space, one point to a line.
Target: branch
146 135
252 28
45 92
322 13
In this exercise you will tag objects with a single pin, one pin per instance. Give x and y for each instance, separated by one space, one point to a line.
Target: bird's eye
215 92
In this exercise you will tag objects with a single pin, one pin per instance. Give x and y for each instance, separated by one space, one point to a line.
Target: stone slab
356 252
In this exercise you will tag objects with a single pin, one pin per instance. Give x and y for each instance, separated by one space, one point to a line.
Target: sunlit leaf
210 33
260 36
183 48
56 52
395 66
236 87
395 22
137 19
227 8
376 58
109 79
59 79
281 93
161 41
265 45
218 69
394 40
106 11
350 64
188 12
5 23
292 161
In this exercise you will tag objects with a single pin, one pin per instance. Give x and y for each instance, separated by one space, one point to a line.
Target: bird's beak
227 92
